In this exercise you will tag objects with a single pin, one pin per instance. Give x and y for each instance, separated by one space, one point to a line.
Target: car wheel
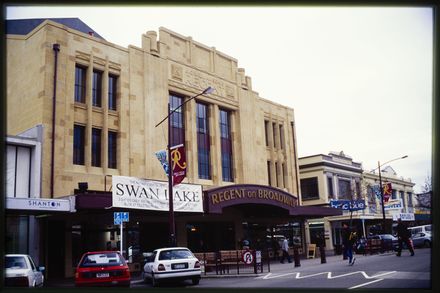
195 281
427 243
153 281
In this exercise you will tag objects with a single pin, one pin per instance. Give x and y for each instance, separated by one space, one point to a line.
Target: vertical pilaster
89 103
104 147
191 140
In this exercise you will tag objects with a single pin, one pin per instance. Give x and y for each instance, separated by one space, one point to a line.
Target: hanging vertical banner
387 191
178 159
162 157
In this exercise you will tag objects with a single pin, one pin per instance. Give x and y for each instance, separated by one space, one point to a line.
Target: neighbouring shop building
98 105
336 176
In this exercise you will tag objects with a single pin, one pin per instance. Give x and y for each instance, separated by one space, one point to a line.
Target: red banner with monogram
387 191
178 161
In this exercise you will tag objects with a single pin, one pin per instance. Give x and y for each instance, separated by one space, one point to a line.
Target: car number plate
178 266
102 275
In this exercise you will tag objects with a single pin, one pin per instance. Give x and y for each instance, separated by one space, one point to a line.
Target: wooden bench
208 260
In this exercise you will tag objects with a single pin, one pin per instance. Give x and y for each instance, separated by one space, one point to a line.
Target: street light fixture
381 188
172 226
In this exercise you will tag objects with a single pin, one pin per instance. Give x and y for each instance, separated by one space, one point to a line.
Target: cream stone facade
262 135
166 63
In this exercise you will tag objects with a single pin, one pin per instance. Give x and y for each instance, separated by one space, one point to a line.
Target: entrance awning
217 199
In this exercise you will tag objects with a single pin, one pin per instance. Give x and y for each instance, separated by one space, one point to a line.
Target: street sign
348 205
119 217
247 257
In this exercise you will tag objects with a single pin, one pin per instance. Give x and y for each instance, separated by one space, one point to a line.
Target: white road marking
329 275
364 284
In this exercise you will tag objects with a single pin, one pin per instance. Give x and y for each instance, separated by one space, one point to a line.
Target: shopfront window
17 236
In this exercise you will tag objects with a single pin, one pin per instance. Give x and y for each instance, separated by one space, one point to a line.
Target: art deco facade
109 99
97 105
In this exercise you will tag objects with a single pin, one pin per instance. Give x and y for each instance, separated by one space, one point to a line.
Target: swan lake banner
137 193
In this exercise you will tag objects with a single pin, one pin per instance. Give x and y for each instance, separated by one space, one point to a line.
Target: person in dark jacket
347 241
403 235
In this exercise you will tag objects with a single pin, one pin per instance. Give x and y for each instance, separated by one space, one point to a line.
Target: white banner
136 193
394 204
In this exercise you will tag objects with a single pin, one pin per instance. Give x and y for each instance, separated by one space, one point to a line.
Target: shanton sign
219 198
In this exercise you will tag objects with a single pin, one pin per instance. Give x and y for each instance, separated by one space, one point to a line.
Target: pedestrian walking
348 239
404 236
285 250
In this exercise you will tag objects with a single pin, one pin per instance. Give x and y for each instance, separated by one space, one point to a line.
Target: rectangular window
18 171
80 84
281 136
309 188
112 148
266 130
283 175
268 174
177 125
203 143
402 196
276 174
96 147
330 187
410 201
112 90
97 88
226 146
358 190
393 194
78 144
274 127
344 189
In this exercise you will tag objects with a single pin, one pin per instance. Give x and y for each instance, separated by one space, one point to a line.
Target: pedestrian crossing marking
329 275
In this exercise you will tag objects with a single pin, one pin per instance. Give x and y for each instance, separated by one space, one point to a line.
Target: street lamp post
381 189
172 226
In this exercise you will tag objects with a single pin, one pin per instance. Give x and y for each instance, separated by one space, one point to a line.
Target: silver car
422 239
22 272
173 263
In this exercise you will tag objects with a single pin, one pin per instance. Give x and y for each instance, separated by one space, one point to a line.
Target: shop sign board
137 193
394 204
404 216
38 204
348 205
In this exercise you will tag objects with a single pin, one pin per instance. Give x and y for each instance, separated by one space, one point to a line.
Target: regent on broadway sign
219 198
136 193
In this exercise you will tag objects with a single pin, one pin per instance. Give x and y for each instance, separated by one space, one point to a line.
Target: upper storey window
203 149
177 125
80 84
112 89
97 88
226 145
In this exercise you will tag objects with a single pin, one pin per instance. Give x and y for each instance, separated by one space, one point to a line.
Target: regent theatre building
97 105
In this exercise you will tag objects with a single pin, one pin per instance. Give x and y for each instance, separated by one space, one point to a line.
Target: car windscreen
101 259
175 254
15 262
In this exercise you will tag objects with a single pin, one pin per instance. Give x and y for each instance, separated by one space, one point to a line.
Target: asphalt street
371 271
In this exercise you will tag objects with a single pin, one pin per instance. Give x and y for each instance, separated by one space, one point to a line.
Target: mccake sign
219 198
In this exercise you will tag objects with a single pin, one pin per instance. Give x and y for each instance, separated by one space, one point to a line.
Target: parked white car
22 272
172 263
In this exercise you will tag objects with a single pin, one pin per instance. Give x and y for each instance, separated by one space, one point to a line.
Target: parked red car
102 268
